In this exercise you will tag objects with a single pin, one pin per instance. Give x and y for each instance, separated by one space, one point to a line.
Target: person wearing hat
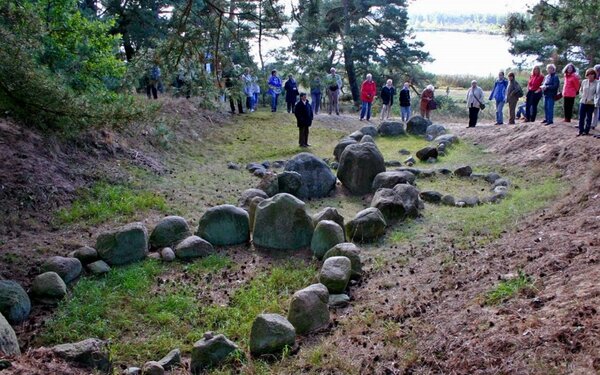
304 116
474 102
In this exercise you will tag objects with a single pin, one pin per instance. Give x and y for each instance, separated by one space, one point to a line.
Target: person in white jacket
588 101
474 102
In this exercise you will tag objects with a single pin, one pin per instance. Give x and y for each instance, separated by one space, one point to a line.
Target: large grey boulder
417 125
317 179
172 359
391 129
100 267
9 345
85 254
90 353
14 301
289 182
67 268
269 184
433 131
341 146
448 139
152 368
247 196
252 211
369 130
327 234
329 213
48 287
335 274
392 178
367 139
308 309
210 351
357 135
350 251
193 247
359 164
398 203
431 196
464 171
123 245
169 232
427 153
270 334
369 224
224 225
282 222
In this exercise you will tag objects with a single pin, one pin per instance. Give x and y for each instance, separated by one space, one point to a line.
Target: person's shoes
587 133
543 122
307 145
567 120
361 119
548 123
579 135
303 146
511 123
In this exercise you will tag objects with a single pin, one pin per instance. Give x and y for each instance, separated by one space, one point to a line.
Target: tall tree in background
560 31
360 34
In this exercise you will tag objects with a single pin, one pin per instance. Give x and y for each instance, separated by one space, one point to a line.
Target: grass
145 316
104 201
508 289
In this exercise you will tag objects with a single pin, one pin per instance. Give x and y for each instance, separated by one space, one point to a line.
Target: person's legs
473 116
301 136
428 114
534 105
499 114
273 102
306 136
363 110
550 113
422 112
336 101
369 105
231 105
528 105
315 106
595 117
240 105
318 104
330 103
568 108
511 111
589 111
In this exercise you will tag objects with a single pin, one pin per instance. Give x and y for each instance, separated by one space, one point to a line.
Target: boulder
491 177
341 146
359 164
9 345
278 164
247 196
261 172
369 130
464 171
431 196
357 136
410 161
90 353
502 190
398 203
282 222
326 235
193 247
289 182
404 152
392 163
448 200
224 225
367 138
48 287
367 225
467 202
308 309
123 245
443 171
335 274
67 268
252 211
210 351
99 267
167 254
317 179
427 153
270 334
350 251
433 131
234 166
391 129
251 167
14 302
329 213
85 254
392 178
448 139
501 182
169 232
152 368
339 300
417 125
132 371
172 359
269 184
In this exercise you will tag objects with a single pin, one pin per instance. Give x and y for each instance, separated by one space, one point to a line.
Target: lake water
465 53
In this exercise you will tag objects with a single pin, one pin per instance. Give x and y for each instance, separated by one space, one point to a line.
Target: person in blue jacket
274 89
499 95
550 89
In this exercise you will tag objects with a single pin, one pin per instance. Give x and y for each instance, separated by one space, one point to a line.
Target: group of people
547 87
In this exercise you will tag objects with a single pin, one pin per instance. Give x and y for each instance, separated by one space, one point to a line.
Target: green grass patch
508 289
104 201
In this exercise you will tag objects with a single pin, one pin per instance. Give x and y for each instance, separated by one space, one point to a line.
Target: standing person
405 101
291 93
534 94
427 101
387 98
550 89
304 117
499 95
474 102
315 94
234 93
255 91
570 89
368 91
590 89
513 93
153 81
334 86
248 90
596 116
274 89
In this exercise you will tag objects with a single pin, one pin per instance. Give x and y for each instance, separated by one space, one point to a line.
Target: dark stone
426 153
317 179
391 129
359 164
431 196
464 171
417 125
392 178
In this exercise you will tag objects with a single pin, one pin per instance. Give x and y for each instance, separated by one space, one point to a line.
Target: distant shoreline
450 29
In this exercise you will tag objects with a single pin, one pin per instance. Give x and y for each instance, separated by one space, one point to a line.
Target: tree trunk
260 32
348 58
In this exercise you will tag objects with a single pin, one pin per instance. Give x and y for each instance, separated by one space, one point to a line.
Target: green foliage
105 201
508 289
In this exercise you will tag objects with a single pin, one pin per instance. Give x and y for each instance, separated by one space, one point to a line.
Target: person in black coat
304 116
387 98
291 93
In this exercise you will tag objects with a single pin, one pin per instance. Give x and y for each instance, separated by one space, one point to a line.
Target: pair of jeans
405 112
316 103
569 104
499 114
250 102
365 110
255 97
549 109
586 112
473 114
274 100
533 98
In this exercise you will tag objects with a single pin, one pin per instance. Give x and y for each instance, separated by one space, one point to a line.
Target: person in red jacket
570 89
534 94
368 90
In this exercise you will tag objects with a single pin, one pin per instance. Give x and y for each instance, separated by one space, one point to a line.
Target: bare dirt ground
427 314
